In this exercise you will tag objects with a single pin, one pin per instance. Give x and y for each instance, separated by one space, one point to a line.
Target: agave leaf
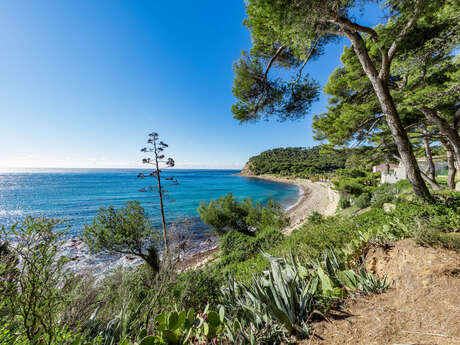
313 285
148 340
302 271
347 279
222 314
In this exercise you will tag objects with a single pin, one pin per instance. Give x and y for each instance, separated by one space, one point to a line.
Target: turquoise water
76 195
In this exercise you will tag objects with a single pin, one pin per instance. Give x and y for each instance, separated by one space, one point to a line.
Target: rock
387 207
247 170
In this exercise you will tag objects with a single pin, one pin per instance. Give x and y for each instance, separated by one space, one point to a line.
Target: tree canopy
287 34
297 161
126 231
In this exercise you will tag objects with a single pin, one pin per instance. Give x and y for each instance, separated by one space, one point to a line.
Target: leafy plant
227 213
33 293
344 202
289 293
187 327
364 200
315 218
370 284
126 231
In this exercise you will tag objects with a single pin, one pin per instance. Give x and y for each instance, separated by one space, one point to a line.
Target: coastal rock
247 170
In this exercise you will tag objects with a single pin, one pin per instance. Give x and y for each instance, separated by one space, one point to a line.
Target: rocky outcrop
246 171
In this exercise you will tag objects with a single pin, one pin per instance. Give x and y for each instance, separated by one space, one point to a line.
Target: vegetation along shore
314 197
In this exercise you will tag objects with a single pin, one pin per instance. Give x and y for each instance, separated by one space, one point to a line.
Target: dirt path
422 306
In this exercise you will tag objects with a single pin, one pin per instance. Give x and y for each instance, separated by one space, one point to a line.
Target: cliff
246 171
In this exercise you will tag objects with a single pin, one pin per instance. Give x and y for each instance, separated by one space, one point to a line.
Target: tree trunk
432 182
446 130
431 172
392 117
452 170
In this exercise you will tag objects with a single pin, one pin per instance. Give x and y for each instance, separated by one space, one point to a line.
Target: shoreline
313 196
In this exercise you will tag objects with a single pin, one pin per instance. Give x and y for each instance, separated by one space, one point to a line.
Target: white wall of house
399 173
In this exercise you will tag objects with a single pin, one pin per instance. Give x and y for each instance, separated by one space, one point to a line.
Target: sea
76 195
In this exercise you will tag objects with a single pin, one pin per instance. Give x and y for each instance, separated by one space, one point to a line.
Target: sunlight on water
76 195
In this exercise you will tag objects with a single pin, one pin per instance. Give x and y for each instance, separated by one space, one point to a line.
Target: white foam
299 199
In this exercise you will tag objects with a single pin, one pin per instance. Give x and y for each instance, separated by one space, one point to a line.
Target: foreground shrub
197 288
124 231
236 246
227 213
34 295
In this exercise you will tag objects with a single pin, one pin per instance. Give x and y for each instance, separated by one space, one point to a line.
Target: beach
314 196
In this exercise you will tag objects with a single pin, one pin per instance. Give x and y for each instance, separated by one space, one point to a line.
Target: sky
83 82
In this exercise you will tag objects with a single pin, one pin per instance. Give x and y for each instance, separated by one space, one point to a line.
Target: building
398 172
384 167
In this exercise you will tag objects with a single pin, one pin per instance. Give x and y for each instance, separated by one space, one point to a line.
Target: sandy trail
316 196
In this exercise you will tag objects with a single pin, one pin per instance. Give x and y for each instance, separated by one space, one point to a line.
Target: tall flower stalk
155 149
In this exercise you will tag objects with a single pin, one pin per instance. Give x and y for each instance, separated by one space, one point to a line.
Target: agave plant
289 293
372 285
280 295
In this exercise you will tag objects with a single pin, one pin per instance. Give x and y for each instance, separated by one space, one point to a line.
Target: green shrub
364 200
126 230
236 246
351 173
227 213
197 288
344 202
34 295
315 218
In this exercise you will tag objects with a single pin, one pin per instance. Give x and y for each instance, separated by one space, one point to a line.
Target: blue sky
83 82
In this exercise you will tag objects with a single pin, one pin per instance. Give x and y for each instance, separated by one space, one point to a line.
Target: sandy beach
315 196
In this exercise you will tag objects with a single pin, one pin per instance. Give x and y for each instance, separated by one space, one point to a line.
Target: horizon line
118 168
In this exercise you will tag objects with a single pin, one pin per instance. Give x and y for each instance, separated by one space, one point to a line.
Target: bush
197 288
315 218
227 213
344 202
236 247
127 230
34 293
364 200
